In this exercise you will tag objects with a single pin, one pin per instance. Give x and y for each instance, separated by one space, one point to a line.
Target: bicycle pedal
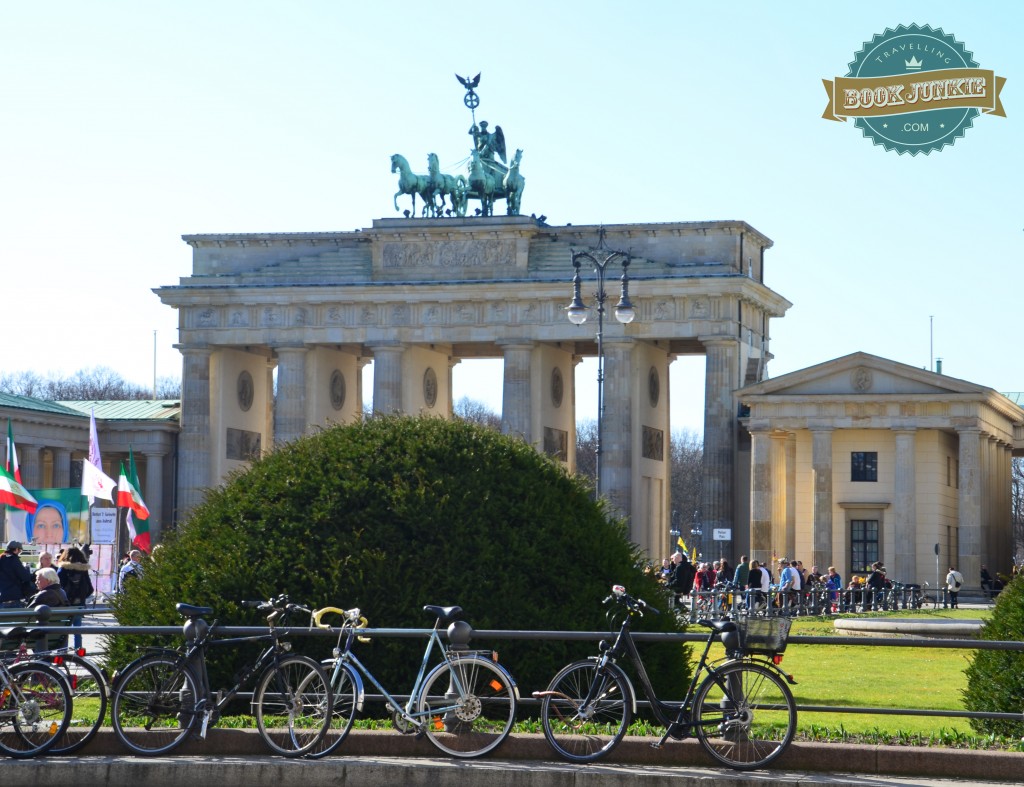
656 745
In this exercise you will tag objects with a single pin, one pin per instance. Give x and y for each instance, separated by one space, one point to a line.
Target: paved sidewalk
415 772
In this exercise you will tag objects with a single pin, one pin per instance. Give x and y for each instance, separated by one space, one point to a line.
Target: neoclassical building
52 439
274 329
862 458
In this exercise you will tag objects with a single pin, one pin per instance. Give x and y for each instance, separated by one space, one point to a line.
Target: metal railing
816 600
596 636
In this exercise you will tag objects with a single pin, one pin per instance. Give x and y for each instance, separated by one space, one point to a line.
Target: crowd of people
792 582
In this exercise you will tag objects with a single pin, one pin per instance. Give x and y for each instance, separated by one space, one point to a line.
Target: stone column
30 464
194 439
762 455
904 566
154 495
617 434
290 404
61 467
387 378
720 380
968 561
783 542
821 469
788 522
516 396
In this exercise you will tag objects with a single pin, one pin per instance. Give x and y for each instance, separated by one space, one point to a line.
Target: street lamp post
697 532
577 313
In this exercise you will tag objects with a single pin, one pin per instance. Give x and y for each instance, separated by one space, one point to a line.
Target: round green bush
393 513
995 678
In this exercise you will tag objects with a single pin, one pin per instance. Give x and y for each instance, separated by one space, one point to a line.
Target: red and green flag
14 494
12 455
129 496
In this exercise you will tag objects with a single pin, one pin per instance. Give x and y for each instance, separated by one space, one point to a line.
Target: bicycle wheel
154 705
89 692
346 699
293 705
34 709
585 711
745 715
468 705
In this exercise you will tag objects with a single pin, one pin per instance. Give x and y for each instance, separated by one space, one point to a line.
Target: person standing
757 585
680 578
131 570
15 578
876 586
987 583
739 579
834 582
954 581
73 572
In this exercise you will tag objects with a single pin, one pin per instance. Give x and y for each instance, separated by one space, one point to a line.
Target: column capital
194 348
516 344
716 340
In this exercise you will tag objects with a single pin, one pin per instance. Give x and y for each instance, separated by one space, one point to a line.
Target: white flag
94 443
96 483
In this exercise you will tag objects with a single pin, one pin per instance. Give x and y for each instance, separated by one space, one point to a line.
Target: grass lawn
880 677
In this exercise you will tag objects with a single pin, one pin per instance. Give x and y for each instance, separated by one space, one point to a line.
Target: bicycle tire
293 701
586 734
744 715
35 716
89 696
476 721
345 688
155 705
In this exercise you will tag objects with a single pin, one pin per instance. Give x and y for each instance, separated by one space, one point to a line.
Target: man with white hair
49 591
130 570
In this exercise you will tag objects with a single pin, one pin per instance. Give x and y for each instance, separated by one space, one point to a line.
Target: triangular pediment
861 374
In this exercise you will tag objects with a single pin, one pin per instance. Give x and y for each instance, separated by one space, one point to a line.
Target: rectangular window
863 543
864 466
949 471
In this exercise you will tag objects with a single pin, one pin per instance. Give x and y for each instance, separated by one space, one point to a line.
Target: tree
477 413
686 454
995 678
687 474
390 514
1017 505
99 383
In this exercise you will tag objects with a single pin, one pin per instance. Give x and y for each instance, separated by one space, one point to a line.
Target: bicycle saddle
190 611
446 614
15 632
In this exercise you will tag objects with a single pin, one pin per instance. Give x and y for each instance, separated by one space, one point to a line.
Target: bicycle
88 685
35 706
163 697
742 712
465 705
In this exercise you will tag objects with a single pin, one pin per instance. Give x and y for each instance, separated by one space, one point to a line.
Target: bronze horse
412 184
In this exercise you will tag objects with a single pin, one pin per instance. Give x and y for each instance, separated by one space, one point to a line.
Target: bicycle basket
763 636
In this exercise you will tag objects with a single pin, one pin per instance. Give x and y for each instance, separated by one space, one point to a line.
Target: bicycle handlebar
351 618
637 605
275 606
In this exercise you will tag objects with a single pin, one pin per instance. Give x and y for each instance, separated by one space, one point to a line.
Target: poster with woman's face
60 518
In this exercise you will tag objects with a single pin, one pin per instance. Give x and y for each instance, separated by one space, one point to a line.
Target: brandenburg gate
416 297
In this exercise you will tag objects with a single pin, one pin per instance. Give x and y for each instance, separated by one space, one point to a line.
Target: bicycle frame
673 715
192 657
345 657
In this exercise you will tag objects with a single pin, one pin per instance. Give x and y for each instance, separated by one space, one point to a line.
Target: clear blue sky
129 124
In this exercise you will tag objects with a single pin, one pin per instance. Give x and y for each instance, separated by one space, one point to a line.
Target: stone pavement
382 771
